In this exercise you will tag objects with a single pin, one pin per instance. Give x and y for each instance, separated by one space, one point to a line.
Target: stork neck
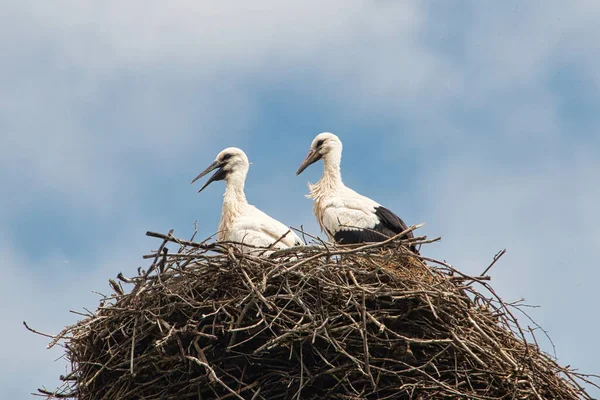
332 175
234 201
234 193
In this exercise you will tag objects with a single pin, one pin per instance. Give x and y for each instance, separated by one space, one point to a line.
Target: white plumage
344 215
242 222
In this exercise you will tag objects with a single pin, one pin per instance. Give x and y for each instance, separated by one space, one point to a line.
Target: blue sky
478 118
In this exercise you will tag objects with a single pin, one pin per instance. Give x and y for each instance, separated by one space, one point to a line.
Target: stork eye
320 143
226 157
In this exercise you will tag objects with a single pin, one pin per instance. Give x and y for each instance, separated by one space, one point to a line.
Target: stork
344 215
241 222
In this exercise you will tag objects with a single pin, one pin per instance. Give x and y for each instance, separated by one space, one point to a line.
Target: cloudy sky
478 118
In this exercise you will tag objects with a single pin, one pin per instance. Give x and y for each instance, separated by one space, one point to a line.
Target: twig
37 332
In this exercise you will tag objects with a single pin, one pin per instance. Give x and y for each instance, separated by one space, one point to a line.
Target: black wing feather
393 223
358 236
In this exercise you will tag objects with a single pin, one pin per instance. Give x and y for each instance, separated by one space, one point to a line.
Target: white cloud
134 65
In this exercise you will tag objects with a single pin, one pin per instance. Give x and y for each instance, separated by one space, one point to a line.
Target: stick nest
369 322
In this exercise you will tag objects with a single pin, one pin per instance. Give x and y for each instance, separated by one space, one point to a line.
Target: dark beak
312 157
217 176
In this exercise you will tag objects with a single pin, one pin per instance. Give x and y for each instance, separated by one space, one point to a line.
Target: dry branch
354 322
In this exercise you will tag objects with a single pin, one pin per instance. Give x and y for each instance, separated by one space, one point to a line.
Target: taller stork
346 216
242 222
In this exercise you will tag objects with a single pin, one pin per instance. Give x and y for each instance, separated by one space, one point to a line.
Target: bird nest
349 322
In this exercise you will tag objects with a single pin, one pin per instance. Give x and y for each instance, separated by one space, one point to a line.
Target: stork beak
217 176
312 157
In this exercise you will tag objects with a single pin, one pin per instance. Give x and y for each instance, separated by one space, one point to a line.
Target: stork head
326 146
231 163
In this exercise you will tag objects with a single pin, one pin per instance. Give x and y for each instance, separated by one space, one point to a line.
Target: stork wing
277 232
347 213
352 219
258 229
391 221
395 223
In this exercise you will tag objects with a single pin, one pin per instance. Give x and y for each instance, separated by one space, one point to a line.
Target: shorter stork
240 221
346 216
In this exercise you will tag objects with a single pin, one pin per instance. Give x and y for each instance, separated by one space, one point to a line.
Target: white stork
240 221
346 216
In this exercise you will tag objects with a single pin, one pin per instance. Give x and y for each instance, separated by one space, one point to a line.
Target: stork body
240 221
344 215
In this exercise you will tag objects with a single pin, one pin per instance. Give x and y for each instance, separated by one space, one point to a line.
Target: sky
478 119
